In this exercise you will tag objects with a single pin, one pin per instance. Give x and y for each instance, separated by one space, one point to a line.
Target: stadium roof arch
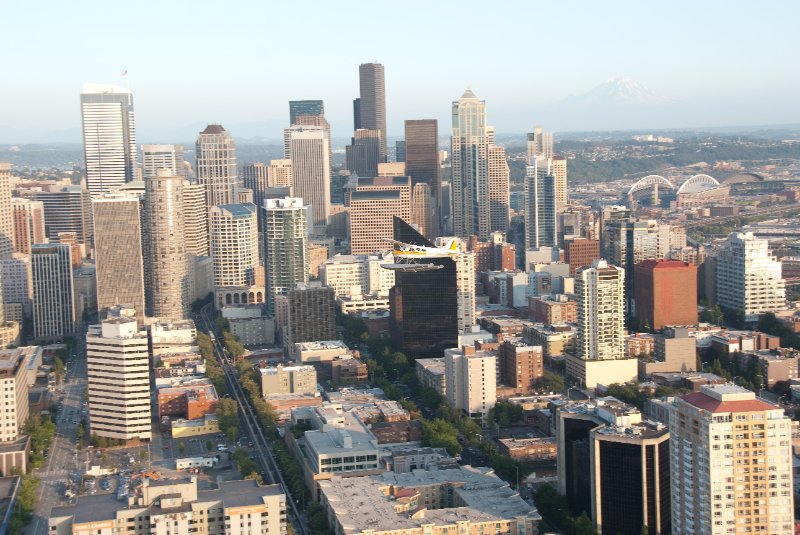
698 183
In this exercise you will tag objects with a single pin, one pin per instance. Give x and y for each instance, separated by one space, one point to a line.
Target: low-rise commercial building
319 351
467 500
178 507
529 449
431 374
555 340
191 399
288 380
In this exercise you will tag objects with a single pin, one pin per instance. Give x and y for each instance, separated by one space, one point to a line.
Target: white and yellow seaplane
407 255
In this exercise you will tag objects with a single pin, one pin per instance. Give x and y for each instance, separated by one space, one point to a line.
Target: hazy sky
238 63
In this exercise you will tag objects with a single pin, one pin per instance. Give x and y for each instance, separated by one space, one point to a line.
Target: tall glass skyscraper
109 137
372 104
480 173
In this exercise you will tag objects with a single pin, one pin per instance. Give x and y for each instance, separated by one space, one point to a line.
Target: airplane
407 251
406 255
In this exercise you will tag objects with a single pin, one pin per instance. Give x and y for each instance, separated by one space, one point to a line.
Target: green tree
439 433
504 414
549 382
58 369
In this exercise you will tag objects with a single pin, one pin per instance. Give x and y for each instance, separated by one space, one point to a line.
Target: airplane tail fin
452 245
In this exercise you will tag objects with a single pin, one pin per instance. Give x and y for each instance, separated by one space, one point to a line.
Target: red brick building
520 365
190 402
579 252
665 293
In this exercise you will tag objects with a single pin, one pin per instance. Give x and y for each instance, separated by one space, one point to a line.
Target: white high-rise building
748 277
600 338
234 244
216 165
307 148
600 290
285 245
155 157
558 168
731 463
53 291
480 173
109 137
540 145
14 381
118 367
541 216
471 378
344 273
195 218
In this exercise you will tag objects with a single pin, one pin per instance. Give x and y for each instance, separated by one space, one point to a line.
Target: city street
63 457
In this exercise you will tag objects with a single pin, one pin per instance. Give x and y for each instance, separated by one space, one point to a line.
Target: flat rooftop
332 441
365 503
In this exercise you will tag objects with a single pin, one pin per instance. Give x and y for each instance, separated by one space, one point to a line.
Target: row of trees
41 430
25 504
555 511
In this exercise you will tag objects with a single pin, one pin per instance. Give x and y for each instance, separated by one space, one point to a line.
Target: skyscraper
628 242
372 104
424 306
601 320
67 209
665 293
155 157
422 214
305 107
749 277
167 291
558 168
234 246
118 252
311 315
614 466
731 463
600 339
255 176
109 137
480 173
280 173
118 368
540 145
53 293
307 147
216 165
540 206
364 152
400 151
195 219
498 194
285 245
373 203
6 220
28 224
422 162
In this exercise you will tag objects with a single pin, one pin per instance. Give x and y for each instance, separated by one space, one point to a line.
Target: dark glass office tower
424 304
422 161
372 105
305 107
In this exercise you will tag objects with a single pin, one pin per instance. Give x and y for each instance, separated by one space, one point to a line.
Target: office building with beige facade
118 252
372 203
288 380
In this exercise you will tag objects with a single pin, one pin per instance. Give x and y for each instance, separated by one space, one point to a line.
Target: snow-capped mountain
618 91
